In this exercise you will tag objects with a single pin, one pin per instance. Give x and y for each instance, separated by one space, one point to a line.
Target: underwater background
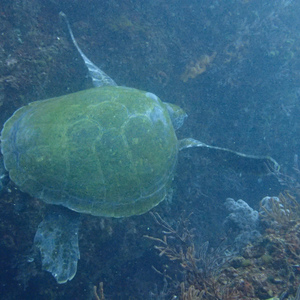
234 67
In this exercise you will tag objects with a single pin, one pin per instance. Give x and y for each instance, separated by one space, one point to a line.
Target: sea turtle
106 151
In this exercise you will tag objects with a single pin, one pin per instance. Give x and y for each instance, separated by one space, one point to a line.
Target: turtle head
177 115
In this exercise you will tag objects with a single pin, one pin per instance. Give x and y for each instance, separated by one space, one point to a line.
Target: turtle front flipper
57 240
236 160
99 77
3 175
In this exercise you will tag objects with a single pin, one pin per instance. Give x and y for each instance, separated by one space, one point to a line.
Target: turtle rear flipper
57 240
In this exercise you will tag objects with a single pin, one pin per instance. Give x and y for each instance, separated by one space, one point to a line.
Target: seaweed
200 265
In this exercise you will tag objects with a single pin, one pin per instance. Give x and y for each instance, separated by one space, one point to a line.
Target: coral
291 182
280 211
242 214
195 68
191 293
98 292
244 218
267 268
201 266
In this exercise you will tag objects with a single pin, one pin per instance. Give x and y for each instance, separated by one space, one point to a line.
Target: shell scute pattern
108 151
